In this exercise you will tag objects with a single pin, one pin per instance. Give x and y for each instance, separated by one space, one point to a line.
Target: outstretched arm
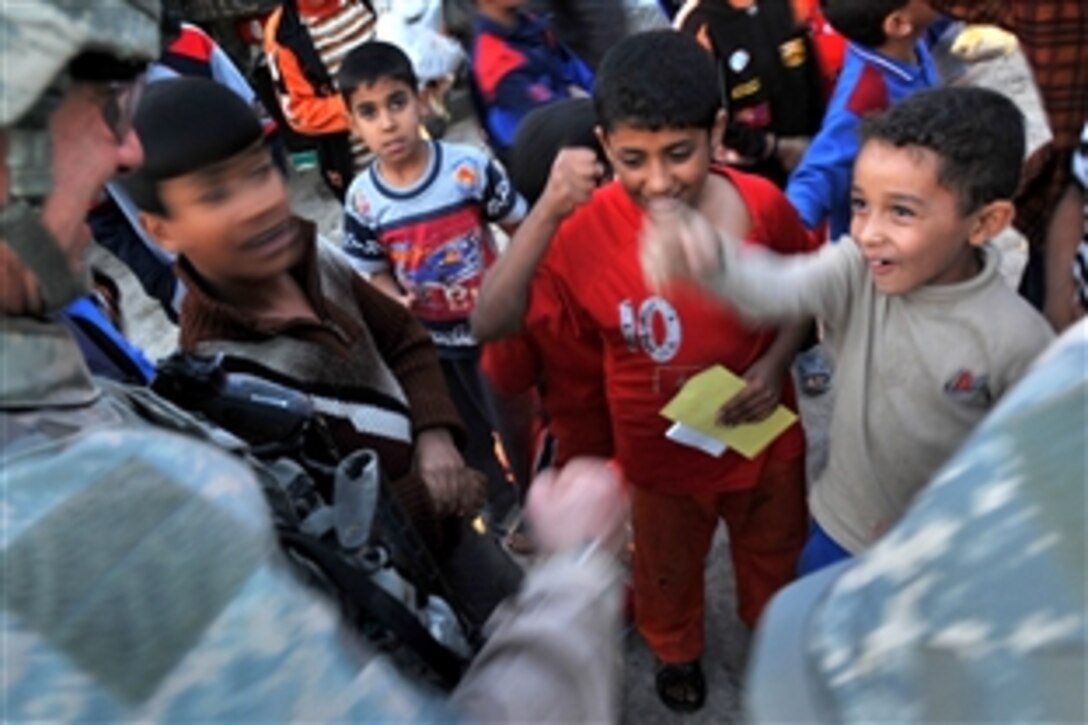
678 243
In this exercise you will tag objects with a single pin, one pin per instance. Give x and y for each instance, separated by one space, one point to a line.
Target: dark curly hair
655 80
861 21
977 134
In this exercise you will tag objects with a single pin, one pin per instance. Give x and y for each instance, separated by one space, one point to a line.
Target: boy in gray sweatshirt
927 334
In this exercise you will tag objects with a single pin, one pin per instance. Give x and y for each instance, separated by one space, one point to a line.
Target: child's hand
678 244
977 43
759 398
575 174
455 489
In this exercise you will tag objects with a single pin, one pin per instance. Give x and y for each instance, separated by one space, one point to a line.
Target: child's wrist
553 210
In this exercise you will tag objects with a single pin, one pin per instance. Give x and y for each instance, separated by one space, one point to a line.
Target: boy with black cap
279 304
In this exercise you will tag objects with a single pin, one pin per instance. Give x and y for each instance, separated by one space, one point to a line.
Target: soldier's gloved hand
581 504
454 488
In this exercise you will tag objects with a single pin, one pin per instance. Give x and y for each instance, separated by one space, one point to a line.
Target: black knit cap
184 125
542 134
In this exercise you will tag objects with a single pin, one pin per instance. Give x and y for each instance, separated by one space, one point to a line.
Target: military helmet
38 38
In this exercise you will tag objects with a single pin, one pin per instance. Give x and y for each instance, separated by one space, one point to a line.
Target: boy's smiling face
231 220
911 229
386 116
667 163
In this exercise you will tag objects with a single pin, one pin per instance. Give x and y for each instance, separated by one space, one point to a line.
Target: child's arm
407 349
577 71
766 377
504 294
822 180
385 282
454 488
680 244
306 112
502 204
363 248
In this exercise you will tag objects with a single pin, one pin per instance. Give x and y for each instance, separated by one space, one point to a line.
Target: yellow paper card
698 402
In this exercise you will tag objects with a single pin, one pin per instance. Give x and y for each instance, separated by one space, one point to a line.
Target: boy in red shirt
573 270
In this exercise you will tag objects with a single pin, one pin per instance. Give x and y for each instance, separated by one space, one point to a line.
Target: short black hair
185 125
977 134
861 21
657 79
371 62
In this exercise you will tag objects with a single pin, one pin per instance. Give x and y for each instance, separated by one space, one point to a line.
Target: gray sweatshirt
915 372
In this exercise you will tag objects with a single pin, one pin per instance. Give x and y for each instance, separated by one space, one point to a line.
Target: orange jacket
309 111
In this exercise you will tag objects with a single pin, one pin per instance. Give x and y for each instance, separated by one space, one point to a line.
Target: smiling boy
572 270
927 334
416 223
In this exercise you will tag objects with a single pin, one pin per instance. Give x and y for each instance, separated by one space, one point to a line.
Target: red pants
767 529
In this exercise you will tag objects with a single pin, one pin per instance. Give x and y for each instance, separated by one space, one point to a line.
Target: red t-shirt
565 365
590 284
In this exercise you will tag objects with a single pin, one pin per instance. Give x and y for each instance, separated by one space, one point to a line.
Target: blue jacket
105 350
869 82
518 69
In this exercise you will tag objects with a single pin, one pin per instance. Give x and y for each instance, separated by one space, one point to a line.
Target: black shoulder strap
377 603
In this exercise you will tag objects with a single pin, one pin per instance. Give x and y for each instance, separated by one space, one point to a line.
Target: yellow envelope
697 404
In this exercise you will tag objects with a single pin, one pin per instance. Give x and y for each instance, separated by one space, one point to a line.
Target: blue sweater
869 82
518 69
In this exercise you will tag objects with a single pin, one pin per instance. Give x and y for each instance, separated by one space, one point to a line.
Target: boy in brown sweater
281 305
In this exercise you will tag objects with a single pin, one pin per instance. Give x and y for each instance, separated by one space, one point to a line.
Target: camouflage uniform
141 575
142 581
973 607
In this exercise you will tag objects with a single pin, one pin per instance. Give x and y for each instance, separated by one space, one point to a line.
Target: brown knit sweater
341 332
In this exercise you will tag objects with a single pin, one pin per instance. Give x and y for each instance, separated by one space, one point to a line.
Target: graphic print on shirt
969 387
440 261
654 328
433 237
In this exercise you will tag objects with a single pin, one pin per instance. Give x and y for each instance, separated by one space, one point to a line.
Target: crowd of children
691 236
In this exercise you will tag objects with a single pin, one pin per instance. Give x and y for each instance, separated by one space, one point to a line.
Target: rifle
334 515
